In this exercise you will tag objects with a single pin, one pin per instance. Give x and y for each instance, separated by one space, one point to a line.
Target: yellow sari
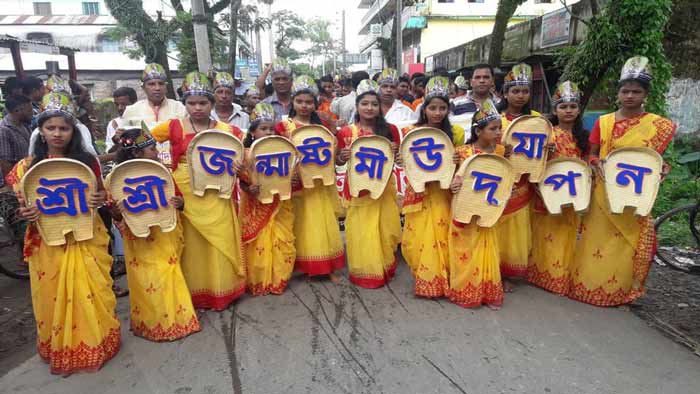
72 297
612 259
554 236
424 240
473 251
372 231
268 243
161 305
514 228
319 244
212 259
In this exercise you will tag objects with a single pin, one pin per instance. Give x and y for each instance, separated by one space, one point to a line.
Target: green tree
322 42
151 35
289 28
242 19
505 11
625 28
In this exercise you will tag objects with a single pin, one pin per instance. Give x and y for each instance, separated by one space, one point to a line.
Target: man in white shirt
395 112
225 110
344 107
123 97
156 108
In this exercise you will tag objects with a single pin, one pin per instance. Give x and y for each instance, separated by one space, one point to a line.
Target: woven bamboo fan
566 182
427 157
316 150
273 159
145 188
632 178
529 136
60 189
370 165
211 155
488 182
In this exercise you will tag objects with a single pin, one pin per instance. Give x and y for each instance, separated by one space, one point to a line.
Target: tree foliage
625 28
289 28
505 10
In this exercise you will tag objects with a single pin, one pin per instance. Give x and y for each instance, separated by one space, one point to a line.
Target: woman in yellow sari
427 214
372 227
212 259
474 271
514 233
268 237
161 305
554 236
319 245
77 328
612 258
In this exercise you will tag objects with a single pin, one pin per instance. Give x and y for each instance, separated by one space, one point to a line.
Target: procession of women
513 198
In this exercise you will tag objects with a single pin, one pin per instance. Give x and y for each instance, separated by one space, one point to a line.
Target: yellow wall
441 34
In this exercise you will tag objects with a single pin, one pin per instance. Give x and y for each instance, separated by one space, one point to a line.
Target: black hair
14 102
404 78
417 75
74 150
326 78
580 134
12 84
482 66
503 104
357 77
375 77
29 84
124 154
126 91
209 97
646 85
269 90
381 126
445 125
473 137
420 81
314 118
346 82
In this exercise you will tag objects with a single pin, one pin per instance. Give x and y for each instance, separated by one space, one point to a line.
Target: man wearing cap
394 111
281 100
156 108
225 110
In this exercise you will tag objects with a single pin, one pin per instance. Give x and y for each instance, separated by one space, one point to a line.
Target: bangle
594 160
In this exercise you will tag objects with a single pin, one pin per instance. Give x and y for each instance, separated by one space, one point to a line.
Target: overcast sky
328 9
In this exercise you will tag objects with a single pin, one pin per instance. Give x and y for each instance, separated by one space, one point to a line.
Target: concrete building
431 26
101 62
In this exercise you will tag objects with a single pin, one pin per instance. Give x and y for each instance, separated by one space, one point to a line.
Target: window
42 8
91 8
475 1
107 45
446 1
40 36
543 1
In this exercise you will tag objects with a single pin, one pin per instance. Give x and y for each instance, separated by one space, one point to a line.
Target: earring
43 139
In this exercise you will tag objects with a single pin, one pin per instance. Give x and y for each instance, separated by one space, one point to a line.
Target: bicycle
684 260
12 231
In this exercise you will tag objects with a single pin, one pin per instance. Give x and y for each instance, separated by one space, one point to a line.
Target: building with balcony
100 60
431 26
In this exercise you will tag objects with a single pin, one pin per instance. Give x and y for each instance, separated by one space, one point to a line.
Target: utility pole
342 38
201 36
270 36
399 38
258 46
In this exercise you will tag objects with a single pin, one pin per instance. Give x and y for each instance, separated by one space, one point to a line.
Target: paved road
324 338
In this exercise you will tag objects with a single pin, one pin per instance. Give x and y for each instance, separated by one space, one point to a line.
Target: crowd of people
222 248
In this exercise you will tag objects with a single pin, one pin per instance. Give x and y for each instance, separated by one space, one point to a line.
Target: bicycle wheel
677 244
11 235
